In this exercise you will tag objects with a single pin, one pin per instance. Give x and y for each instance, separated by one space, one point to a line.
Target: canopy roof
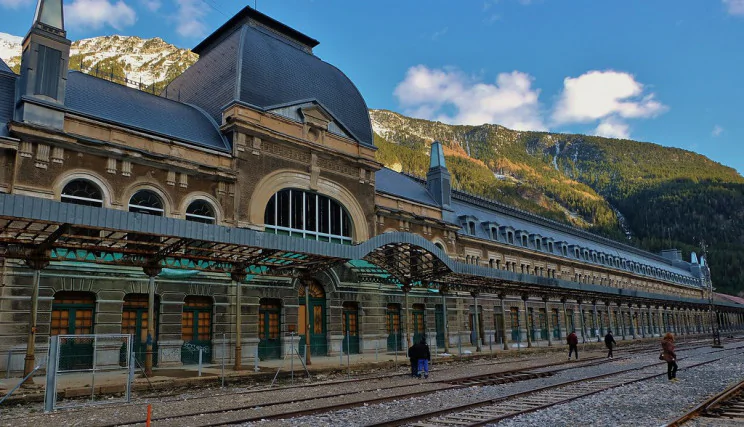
39 229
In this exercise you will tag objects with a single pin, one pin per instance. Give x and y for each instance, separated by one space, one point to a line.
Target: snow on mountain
149 61
10 46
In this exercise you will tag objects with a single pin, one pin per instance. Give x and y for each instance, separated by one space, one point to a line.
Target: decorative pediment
317 116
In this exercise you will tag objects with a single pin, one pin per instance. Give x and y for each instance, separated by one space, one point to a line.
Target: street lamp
713 317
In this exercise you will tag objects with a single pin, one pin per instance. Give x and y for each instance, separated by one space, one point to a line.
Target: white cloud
152 5
190 18
94 14
613 127
717 130
15 4
734 7
450 96
491 19
598 94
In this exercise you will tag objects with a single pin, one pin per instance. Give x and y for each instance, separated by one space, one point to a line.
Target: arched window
200 211
146 202
82 192
309 215
440 246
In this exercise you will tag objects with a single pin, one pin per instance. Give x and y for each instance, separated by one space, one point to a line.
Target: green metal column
476 324
527 326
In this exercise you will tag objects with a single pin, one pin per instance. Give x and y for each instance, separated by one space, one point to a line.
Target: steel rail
711 404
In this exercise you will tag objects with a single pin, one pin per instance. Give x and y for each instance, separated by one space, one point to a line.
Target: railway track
494 410
235 406
246 415
725 408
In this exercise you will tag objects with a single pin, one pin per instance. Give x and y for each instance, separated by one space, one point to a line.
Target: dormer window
538 245
576 253
493 230
511 237
468 224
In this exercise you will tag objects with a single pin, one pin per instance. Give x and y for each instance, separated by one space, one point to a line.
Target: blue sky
665 71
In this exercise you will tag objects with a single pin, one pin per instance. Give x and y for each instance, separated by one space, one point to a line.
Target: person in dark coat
423 355
573 344
414 360
609 342
668 354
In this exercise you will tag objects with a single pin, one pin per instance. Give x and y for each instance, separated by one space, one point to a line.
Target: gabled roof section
397 184
114 103
311 111
260 67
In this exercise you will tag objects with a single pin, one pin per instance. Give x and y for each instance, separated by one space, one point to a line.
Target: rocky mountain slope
145 61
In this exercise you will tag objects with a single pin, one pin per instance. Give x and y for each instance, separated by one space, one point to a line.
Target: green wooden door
269 327
418 322
394 341
72 314
439 323
318 328
196 330
555 323
350 329
514 320
134 321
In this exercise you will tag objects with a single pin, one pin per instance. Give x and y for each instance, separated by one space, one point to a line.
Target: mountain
144 63
650 196
10 46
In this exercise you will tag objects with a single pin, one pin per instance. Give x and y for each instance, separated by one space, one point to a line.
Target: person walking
609 342
573 344
414 360
423 356
668 354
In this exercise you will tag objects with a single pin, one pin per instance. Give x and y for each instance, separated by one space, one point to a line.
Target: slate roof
4 67
258 67
7 96
132 108
411 188
396 184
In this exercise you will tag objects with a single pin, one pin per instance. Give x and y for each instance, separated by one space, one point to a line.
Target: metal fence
89 366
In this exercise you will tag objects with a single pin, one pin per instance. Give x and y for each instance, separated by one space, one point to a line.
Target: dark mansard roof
117 104
257 61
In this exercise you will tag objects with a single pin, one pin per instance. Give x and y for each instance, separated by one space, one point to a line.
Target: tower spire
50 16
438 178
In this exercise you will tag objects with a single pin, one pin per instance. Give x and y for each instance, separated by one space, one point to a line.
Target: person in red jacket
573 345
668 354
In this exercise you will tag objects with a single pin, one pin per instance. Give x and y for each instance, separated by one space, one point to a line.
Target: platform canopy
37 230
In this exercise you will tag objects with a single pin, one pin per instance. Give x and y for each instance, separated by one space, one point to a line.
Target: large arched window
146 202
309 215
82 192
200 211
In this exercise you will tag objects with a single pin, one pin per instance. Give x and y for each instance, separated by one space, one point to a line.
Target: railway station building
244 206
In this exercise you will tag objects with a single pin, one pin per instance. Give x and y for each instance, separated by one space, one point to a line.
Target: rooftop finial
437 156
50 13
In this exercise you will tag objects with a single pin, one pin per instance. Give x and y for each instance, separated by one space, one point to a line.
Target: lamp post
709 285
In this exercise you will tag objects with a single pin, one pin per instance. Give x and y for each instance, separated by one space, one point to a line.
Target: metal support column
445 321
30 360
527 326
151 272
238 276
632 321
307 323
406 289
476 325
594 320
503 321
547 321
581 318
